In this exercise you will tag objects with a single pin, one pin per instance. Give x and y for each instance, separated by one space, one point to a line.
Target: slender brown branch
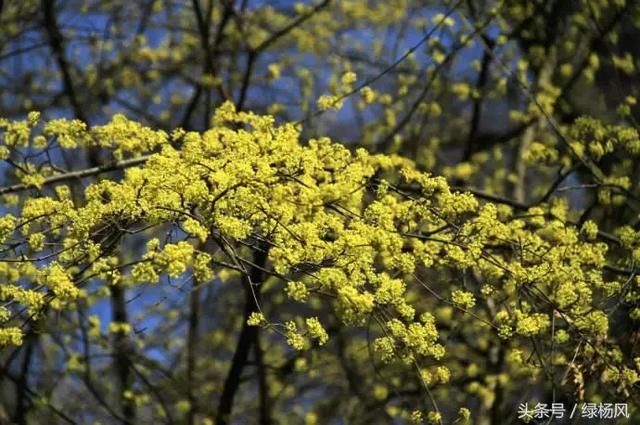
252 54
291 26
34 395
122 362
384 145
245 341
192 345
211 51
22 396
56 41
59 178
483 76
263 389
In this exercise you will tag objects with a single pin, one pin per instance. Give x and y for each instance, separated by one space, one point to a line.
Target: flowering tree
169 257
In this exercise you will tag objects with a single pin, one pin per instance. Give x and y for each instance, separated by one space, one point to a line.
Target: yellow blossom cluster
366 234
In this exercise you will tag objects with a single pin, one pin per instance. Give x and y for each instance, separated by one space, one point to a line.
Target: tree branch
56 41
245 341
59 178
192 345
122 362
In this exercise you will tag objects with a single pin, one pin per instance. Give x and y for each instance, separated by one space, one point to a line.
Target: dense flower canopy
319 211
365 238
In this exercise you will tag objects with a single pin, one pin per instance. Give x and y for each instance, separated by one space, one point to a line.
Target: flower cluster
369 237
